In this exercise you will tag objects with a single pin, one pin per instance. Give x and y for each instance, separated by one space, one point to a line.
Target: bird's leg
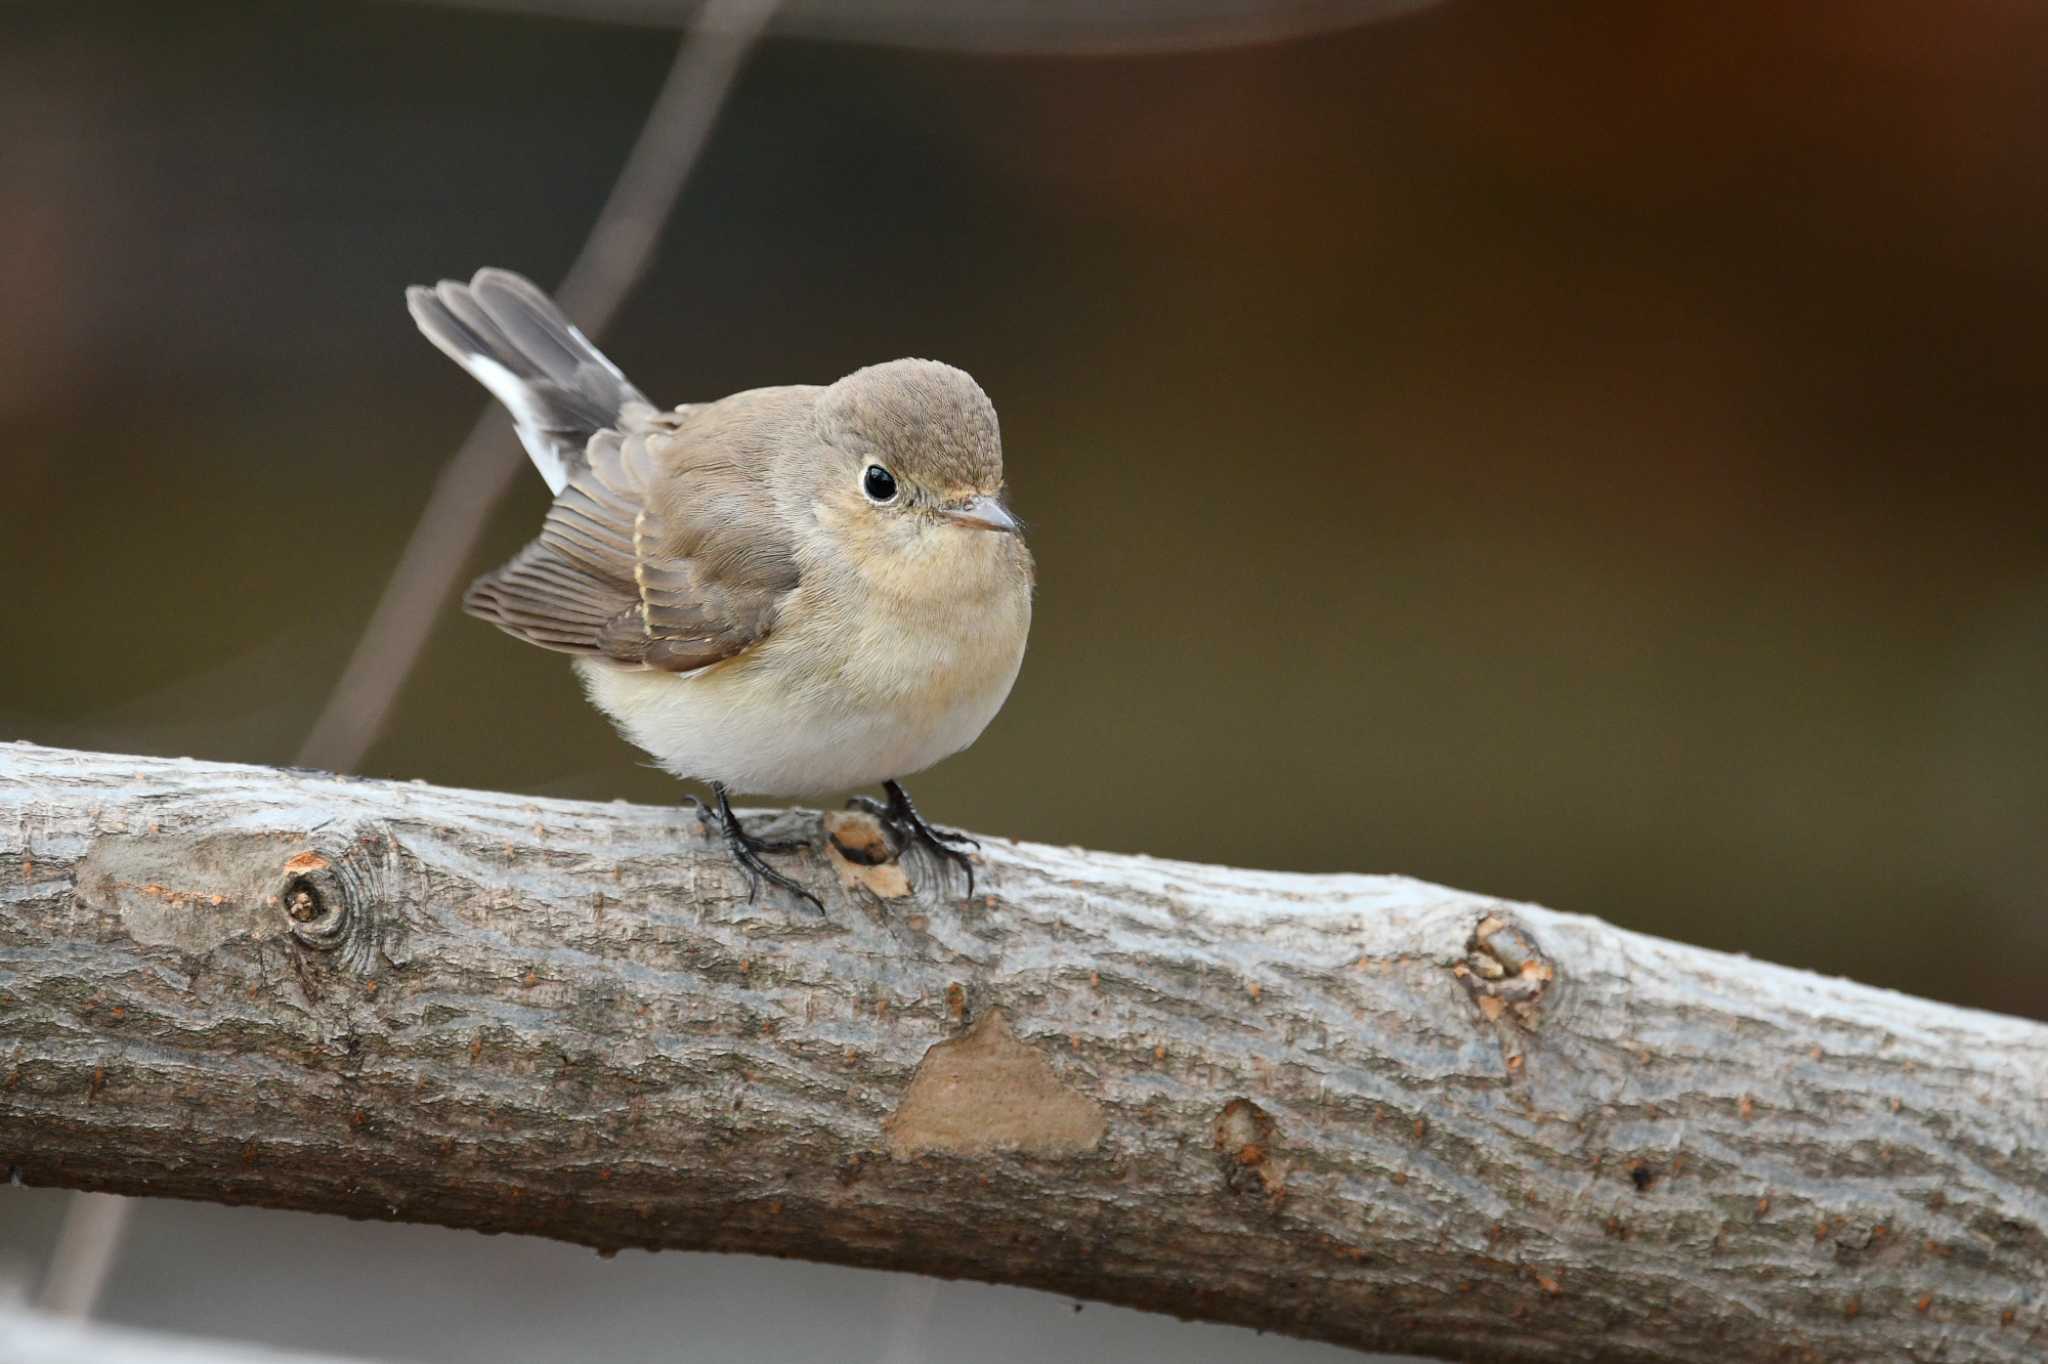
902 817
747 849
724 816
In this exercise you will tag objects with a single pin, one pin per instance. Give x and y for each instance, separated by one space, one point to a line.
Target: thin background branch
84 1254
482 469
708 60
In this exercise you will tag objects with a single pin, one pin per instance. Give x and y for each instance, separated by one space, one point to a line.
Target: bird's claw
902 819
747 849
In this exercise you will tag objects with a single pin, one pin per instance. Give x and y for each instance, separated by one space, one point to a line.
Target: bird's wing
559 388
663 549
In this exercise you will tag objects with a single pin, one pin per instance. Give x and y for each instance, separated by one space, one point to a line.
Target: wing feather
661 550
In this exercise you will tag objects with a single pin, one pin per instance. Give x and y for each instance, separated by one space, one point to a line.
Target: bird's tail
513 340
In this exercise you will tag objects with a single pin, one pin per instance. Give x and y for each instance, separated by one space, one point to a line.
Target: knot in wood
301 896
861 838
338 898
1505 972
1247 1141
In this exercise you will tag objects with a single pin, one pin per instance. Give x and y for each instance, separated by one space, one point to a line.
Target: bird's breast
930 650
841 694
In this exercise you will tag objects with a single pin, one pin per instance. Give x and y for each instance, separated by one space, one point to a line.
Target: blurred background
1588 453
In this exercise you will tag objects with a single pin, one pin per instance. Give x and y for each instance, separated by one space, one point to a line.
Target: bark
1357 1108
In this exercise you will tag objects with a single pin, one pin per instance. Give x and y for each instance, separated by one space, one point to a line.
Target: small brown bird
787 592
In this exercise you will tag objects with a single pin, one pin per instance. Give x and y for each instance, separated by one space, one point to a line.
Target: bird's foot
747 849
910 828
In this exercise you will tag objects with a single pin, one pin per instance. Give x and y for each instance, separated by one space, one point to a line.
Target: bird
787 592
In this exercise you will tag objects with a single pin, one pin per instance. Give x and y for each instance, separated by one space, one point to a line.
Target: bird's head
913 473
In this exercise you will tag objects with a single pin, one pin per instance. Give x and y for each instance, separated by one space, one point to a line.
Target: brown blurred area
1587 453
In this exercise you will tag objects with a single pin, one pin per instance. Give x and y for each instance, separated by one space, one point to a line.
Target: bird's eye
879 484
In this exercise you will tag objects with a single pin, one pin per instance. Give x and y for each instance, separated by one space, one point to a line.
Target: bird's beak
982 513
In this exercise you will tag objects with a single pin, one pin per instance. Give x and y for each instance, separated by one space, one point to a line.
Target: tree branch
1361 1109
